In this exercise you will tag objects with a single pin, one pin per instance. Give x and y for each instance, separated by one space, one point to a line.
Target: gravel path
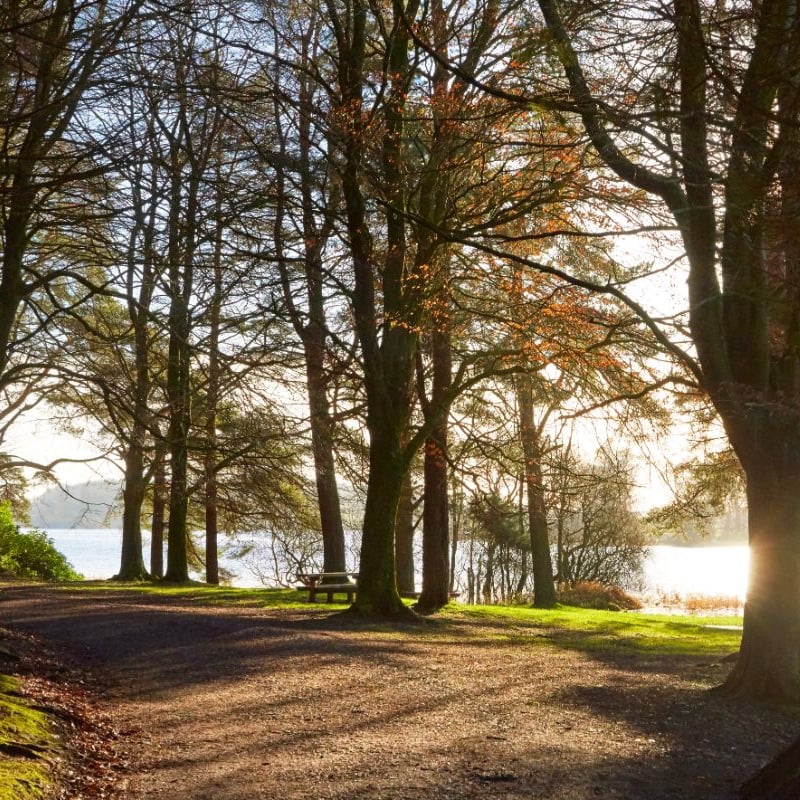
249 704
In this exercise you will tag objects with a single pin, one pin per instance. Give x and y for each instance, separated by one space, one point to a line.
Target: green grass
202 594
26 741
591 630
574 628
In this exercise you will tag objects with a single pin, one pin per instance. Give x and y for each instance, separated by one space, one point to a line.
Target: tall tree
51 59
714 121
305 209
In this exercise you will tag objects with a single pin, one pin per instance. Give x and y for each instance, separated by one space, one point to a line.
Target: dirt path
245 704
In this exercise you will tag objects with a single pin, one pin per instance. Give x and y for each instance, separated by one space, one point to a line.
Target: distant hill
95 504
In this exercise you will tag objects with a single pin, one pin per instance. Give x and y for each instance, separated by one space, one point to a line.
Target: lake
669 570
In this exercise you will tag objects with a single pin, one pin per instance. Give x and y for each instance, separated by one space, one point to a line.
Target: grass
591 630
202 594
26 740
565 626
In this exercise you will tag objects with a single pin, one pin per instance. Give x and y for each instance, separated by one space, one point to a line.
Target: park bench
329 583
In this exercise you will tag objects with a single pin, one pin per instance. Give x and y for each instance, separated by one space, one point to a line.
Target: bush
32 554
590 594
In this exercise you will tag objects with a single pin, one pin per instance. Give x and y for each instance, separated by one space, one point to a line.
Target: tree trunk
178 391
544 588
212 401
333 548
132 566
212 527
768 666
159 507
436 510
435 526
377 585
778 780
310 323
488 582
404 538
177 526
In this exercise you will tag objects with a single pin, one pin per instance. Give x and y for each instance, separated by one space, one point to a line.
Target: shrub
32 554
590 594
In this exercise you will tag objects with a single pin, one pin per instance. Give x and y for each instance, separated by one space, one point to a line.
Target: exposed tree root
778 780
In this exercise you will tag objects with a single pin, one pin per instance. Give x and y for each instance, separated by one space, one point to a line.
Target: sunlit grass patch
203 594
589 629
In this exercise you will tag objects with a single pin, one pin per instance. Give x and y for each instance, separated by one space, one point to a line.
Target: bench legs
312 594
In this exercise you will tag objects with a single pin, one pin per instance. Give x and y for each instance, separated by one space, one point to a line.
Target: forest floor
191 702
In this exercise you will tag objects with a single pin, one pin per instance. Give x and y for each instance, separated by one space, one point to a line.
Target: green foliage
708 492
599 538
13 486
499 520
32 554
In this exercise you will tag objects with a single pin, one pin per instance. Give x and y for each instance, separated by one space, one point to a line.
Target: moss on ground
27 743
20 780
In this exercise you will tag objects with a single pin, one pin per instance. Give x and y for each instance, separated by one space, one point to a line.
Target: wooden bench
329 583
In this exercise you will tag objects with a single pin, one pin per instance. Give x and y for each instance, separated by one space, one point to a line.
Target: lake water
682 571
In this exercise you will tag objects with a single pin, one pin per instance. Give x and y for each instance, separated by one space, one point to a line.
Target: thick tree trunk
177 526
377 584
183 215
768 666
178 438
132 566
404 539
435 526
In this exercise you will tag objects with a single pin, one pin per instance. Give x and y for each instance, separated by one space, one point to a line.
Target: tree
598 537
306 203
52 54
711 128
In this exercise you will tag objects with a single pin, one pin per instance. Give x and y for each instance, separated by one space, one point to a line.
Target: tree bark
435 526
777 780
181 264
768 666
333 546
404 538
132 566
436 509
544 588
159 508
377 585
